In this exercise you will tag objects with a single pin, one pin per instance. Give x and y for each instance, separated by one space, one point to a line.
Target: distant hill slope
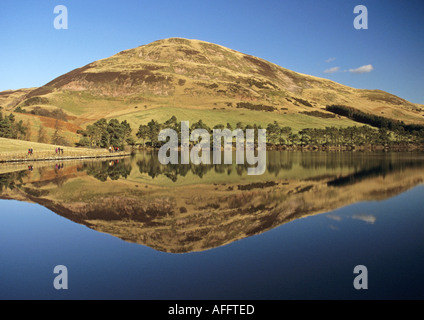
197 75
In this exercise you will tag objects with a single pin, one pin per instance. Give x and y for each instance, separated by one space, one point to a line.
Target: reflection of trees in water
276 162
338 160
362 163
280 161
151 165
355 160
384 168
10 180
362 166
114 169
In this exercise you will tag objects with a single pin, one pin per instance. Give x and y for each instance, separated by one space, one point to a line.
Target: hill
145 207
195 79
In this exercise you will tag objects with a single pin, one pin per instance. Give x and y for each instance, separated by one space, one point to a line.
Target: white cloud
334 217
330 60
332 70
368 218
363 69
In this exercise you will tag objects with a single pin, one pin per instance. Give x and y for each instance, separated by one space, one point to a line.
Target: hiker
56 150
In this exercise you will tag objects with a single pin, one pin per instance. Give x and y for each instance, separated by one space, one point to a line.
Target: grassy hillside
67 129
212 117
11 98
17 146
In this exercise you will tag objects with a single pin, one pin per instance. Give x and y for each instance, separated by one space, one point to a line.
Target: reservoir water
132 228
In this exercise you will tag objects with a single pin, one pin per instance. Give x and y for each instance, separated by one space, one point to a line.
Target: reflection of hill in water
194 208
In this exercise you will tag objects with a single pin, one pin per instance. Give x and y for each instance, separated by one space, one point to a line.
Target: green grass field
16 146
212 117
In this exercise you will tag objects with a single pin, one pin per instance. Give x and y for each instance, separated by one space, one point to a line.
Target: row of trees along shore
377 131
279 136
103 134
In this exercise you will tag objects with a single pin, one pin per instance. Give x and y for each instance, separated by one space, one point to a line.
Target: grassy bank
17 151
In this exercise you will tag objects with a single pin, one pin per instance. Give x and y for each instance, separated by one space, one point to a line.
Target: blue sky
306 36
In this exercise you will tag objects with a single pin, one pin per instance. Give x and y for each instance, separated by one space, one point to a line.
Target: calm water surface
133 229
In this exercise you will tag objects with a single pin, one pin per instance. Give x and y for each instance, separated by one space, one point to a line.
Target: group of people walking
113 149
58 151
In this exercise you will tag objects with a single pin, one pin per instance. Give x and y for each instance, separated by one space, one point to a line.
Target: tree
273 132
21 130
200 125
84 142
153 132
305 137
284 134
6 126
383 136
171 123
219 127
42 136
126 134
115 133
102 137
143 133
104 134
293 139
57 137
28 132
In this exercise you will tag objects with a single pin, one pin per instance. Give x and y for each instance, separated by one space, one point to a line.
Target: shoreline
315 148
34 158
43 156
395 148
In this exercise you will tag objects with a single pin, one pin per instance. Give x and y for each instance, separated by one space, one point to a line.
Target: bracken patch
264 68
